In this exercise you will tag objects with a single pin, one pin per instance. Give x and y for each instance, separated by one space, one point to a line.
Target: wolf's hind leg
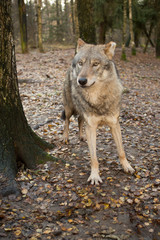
91 139
80 124
116 132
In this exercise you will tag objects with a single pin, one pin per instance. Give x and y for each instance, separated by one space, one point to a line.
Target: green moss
123 56
133 51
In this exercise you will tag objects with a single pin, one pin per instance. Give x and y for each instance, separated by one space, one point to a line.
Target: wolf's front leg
91 139
116 132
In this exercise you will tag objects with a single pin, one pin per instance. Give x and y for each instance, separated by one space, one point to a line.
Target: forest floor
56 200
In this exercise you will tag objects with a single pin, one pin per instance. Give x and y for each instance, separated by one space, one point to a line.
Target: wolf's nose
82 81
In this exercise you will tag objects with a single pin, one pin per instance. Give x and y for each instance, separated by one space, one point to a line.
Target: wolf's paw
127 168
94 178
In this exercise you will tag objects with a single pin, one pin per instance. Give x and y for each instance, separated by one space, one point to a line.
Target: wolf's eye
95 64
80 63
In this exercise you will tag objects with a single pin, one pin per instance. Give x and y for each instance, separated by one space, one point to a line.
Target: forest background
135 23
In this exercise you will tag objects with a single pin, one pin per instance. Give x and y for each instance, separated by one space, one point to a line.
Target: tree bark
123 56
39 16
18 143
73 17
133 49
58 21
158 29
148 37
86 21
23 25
102 33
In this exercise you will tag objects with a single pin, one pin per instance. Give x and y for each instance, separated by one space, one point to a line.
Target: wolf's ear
80 43
109 49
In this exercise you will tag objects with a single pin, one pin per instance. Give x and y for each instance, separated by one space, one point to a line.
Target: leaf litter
56 201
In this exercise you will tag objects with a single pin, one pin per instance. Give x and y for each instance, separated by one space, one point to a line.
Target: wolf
92 90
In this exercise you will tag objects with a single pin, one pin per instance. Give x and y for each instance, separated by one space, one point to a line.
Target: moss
133 51
123 56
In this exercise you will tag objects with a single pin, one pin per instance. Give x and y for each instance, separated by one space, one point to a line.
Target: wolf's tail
63 116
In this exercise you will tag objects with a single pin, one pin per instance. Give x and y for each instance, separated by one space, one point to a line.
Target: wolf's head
92 63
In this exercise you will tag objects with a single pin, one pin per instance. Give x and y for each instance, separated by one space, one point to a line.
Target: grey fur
98 101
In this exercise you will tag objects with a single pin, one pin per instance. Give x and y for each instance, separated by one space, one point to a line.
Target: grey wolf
93 90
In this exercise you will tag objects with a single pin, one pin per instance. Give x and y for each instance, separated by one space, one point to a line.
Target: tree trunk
18 143
73 18
39 16
102 33
76 22
123 56
86 20
148 37
58 21
158 29
23 25
133 49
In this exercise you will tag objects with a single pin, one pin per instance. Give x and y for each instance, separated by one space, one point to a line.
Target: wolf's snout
82 81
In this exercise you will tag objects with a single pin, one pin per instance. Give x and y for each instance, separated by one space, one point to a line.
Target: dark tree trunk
158 42
102 33
158 29
58 20
148 37
23 25
17 141
123 56
86 20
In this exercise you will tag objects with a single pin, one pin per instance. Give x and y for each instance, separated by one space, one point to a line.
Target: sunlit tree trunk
23 25
86 20
133 49
39 16
18 143
123 56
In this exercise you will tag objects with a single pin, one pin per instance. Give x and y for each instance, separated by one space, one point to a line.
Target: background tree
105 14
123 56
32 31
18 143
58 9
158 29
23 26
85 11
73 17
133 50
39 20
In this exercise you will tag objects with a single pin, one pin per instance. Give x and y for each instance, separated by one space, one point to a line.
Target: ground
56 201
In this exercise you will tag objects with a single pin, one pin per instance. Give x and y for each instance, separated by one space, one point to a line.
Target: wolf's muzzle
82 81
